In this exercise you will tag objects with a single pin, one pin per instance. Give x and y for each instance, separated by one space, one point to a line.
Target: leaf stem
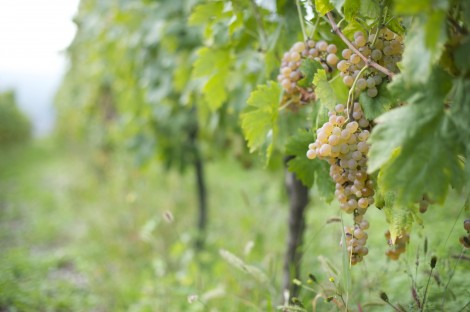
367 60
301 19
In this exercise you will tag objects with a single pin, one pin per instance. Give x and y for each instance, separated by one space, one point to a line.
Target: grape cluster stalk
290 74
383 47
342 141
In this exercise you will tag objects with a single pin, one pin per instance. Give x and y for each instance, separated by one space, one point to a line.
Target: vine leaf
416 146
308 68
323 6
309 172
204 12
425 159
324 184
351 9
460 114
324 91
370 8
461 55
214 65
259 121
424 45
209 60
214 90
376 106
297 146
396 26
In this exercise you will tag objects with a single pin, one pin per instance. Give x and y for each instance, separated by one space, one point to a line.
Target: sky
33 36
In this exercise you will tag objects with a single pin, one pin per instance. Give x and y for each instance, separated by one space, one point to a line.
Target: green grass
81 231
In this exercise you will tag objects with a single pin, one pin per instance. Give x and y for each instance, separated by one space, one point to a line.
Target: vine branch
367 60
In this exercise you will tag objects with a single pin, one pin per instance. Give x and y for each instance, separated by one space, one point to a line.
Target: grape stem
367 60
350 103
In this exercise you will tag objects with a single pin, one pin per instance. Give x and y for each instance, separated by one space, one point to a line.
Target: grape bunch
465 240
343 143
290 74
384 48
397 248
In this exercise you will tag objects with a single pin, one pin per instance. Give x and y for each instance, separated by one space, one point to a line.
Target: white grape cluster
320 51
343 143
386 50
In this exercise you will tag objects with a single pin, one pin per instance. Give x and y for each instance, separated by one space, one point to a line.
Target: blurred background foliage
15 128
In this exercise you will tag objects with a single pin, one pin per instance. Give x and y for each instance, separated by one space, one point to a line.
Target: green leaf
209 61
321 116
351 28
415 145
466 12
214 64
309 171
323 182
376 106
308 68
434 90
460 114
396 26
303 167
351 9
338 4
323 6
424 45
324 91
414 7
420 156
370 8
214 90
340 89
259 121
205 12
461 55
410 7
